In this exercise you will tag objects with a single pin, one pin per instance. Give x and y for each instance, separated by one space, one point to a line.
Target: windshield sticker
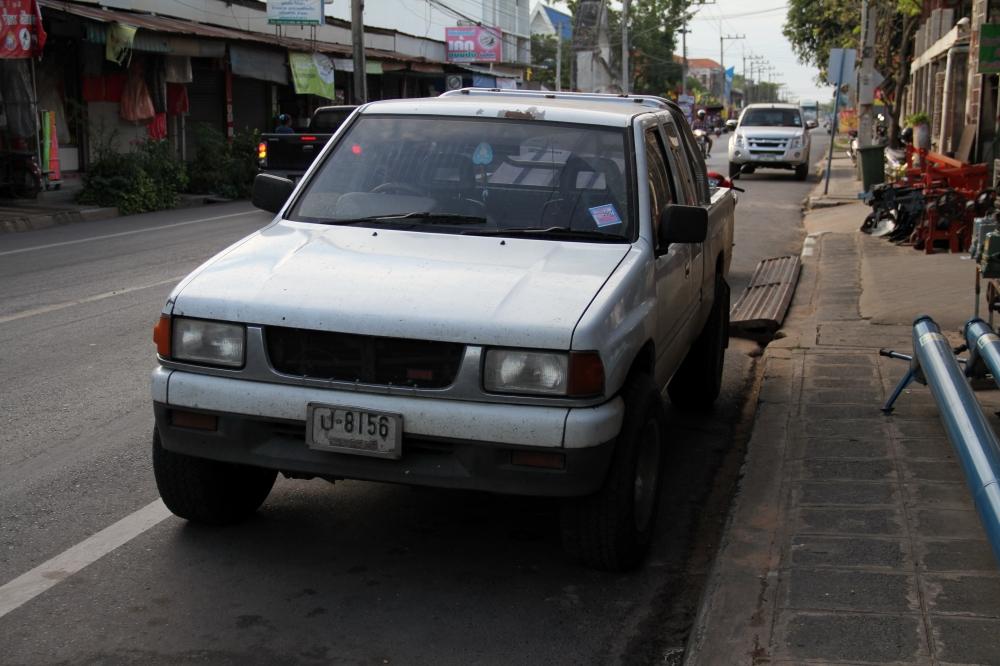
605 216
483 154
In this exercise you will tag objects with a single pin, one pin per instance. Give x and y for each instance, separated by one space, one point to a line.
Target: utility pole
684 58
625 72
358 37
866 92
559 60
722 61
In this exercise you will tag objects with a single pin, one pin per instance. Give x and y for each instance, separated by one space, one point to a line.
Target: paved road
356 572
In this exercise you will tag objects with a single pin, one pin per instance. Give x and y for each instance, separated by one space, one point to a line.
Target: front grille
363 358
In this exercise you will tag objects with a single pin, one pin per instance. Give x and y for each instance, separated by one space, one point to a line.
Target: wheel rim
647 474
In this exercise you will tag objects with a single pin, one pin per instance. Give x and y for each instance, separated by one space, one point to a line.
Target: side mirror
683 224
811 124
270 192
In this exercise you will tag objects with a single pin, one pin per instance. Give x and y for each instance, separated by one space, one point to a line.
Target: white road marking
89 299
29 585
123 233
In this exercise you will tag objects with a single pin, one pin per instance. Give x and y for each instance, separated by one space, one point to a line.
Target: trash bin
872 166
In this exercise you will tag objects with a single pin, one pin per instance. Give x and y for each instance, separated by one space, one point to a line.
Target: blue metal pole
984 348
971 435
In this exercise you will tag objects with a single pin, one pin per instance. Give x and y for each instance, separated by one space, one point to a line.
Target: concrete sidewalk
853 538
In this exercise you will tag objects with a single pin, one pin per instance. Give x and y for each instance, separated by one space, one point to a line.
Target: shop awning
258 64
150 23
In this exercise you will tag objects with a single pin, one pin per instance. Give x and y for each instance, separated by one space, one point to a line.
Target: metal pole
836 114
559 61
968 430
684 59
358 39
625 76
866 91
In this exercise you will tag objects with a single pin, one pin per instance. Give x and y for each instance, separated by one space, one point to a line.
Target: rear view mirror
811 124
270 192
683 224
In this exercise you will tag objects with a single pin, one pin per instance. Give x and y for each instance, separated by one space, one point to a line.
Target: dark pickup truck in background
289 154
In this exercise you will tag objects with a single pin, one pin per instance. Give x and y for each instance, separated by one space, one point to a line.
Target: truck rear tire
698 381
208 491
611 529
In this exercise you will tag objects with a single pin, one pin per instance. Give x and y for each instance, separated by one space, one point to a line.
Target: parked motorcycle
852 147
20 176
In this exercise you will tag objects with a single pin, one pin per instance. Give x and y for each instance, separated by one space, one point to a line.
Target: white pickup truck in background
486 290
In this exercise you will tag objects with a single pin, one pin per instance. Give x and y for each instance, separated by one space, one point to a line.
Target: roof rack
644 100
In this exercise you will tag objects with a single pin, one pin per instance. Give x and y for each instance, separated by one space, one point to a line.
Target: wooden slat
760 310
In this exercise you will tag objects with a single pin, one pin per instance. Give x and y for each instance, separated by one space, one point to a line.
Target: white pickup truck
485 290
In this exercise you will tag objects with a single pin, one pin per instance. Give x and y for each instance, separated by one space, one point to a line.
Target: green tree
815 26
543 60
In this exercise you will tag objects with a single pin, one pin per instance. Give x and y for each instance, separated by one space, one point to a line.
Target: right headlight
738 140
208 342
575 374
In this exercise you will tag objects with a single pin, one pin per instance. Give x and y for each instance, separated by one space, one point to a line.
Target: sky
760 21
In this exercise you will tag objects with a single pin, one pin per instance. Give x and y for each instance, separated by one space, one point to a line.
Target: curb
12 222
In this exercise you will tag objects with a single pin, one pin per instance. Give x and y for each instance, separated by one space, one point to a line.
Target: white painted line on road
89 299
123 233
29 585
808 246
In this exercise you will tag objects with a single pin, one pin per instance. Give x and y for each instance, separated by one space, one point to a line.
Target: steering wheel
398 188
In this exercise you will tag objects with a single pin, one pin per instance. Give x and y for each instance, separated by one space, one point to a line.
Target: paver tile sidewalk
853 538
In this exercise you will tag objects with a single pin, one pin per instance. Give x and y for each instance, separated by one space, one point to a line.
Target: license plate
353 430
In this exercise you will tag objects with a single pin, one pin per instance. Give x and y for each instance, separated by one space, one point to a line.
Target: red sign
472 44
21 31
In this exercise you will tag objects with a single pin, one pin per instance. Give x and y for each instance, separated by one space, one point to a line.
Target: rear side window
658 177
683 169
329 121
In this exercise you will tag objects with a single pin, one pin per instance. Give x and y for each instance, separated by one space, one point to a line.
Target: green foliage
222 167
919 118
145 179
543 60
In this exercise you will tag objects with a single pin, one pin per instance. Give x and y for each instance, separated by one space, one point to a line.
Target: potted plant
921 124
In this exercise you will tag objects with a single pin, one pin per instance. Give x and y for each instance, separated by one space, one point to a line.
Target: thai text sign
21 31
472 44
989 48
295 12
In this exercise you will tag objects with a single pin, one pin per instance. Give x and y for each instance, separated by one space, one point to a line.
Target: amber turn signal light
538 459
586 375
194 420
161 336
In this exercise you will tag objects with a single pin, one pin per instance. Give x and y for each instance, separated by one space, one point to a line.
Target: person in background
284 124
701 122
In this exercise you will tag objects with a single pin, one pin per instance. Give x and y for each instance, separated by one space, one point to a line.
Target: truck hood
472 289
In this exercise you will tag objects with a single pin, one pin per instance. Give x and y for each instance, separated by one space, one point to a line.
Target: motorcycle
701 136
852 147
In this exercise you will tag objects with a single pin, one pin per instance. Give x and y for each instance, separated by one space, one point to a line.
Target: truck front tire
208 491
611 529
802 171
698 381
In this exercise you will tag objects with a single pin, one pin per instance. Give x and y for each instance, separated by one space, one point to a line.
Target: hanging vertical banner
21 31
312 74
730 73
118 47
295 12
989 48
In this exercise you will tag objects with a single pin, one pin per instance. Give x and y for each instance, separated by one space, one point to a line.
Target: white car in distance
774 136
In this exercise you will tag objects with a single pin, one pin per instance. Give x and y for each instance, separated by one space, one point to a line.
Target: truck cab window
660 192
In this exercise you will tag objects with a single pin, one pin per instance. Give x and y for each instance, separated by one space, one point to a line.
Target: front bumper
791 157
446 443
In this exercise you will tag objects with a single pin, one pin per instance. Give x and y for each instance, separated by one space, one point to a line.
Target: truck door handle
687 269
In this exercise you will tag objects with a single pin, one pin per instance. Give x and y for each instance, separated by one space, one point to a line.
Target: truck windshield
466 175
772 118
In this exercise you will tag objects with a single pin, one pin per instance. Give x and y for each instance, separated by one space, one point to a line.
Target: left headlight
575 374
209 342
739 140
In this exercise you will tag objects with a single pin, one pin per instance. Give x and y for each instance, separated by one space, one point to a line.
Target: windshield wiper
548 232
448 218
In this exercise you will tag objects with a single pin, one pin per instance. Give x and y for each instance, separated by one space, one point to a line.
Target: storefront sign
295 12
21 31
472 44
989 48
312 74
